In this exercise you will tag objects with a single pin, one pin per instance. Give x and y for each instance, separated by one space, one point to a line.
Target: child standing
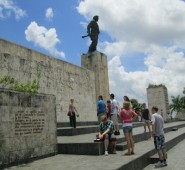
126 116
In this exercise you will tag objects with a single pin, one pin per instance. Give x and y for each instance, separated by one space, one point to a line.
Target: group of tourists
108 115
109 127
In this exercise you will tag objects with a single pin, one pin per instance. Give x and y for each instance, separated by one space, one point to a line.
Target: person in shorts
114 114
159 139
106 133
126 116
145 116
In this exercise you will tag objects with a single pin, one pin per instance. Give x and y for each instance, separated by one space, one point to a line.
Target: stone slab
84 141
70 131
27 130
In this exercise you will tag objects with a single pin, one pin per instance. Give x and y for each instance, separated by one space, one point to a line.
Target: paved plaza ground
176 160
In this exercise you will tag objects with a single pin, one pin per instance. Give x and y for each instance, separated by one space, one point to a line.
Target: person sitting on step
106 133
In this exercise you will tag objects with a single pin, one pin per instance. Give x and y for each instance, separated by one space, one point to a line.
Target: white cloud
7 7
49 14
155 28
134 83
45 38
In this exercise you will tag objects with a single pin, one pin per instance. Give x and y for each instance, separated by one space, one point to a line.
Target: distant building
157 95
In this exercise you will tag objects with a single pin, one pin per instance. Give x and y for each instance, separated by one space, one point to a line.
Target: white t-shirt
157 119
114 106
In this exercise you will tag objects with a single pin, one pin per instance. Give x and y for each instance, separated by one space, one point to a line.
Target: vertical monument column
97 62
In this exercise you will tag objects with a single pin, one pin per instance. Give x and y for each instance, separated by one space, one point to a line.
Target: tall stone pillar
97 62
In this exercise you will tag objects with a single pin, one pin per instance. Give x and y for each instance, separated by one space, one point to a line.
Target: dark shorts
127 129
159 142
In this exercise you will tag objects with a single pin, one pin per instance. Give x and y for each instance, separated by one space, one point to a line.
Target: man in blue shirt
101 108
106 133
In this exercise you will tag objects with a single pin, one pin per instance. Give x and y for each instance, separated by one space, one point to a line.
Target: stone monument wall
27 126
58 78
97 62
158 96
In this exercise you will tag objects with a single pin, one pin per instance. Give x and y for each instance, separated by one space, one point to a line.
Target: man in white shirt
159 139
114 114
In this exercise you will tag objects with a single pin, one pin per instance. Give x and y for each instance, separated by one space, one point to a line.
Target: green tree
176 104
136 105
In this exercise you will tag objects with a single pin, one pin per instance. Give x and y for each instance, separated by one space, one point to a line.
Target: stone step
175 160
66 124
145 136
85 145
89 123
146 150
68 131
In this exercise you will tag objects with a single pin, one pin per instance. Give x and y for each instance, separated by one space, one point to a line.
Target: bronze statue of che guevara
93 32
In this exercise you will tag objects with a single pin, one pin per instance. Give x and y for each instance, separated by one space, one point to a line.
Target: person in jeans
72 110
126 115
159 139
106 133
101 108
114 114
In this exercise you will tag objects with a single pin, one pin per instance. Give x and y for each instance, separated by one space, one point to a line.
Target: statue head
96 17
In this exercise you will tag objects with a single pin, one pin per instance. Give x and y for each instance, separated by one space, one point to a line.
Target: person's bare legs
127 137
160 153
149 128
117 127
144 125
131 143
106 142
164 154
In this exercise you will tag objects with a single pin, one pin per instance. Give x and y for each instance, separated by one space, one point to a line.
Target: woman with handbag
72 115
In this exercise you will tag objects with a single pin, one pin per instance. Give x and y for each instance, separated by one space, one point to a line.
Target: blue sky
144 40
66 20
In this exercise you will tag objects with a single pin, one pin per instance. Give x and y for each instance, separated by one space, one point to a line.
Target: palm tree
176 104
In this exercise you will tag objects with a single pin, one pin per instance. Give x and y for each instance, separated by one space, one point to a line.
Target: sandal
132 153
127 154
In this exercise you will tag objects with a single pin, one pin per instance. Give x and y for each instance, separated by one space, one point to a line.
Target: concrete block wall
27 126
58 78
97 62
158 96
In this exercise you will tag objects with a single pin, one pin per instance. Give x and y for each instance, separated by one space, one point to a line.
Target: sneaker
106 153
116 133
165 163
159 164
114 151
